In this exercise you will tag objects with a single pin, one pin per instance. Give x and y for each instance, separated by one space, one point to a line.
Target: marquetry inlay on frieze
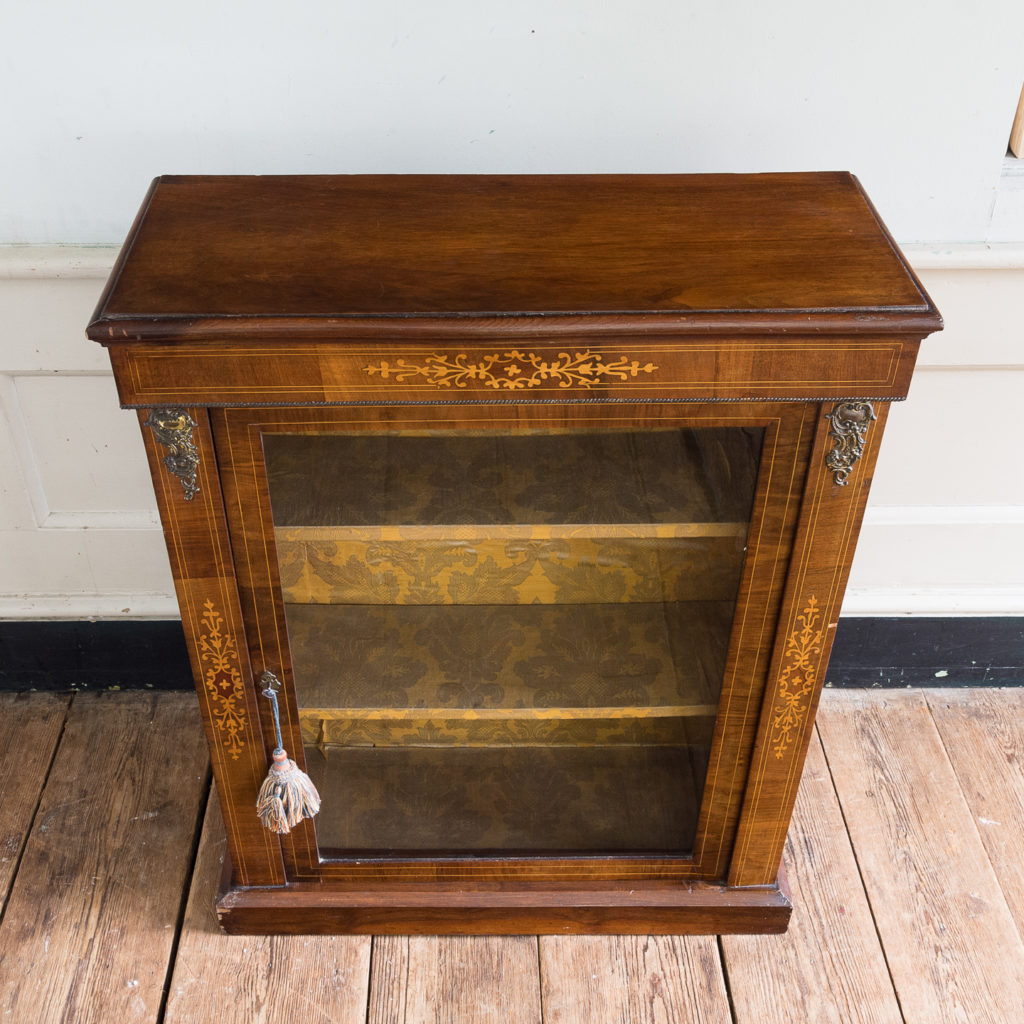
513 370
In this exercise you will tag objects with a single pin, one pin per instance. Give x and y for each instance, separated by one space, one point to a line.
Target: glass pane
510 643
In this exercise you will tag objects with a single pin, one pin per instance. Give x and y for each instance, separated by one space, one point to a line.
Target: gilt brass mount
849 423
173 429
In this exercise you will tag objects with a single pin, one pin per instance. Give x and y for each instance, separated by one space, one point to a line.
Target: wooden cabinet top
336 257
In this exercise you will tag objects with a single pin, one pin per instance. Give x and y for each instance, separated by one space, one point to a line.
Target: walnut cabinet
533 499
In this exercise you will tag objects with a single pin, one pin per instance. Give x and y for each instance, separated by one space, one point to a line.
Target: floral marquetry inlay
222 679
514 370
798 677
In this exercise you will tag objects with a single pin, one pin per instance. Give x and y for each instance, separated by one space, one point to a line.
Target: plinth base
447 909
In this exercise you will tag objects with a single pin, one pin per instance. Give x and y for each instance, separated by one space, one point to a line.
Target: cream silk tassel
287 794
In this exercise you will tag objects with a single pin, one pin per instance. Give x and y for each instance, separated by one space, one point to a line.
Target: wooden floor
906 863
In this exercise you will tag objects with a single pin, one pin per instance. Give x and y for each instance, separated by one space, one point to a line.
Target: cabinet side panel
830 521
204 578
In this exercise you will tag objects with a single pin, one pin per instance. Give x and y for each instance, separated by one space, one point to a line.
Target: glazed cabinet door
515 641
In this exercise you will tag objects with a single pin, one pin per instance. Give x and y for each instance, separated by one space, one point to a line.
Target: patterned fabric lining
536 658
510 642
654 476
338 568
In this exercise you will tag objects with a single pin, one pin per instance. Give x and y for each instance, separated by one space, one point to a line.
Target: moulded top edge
644 252
914 321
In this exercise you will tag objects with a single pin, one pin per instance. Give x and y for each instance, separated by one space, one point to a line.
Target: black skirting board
868 652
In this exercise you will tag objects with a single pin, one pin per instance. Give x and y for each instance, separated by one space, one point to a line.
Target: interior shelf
399 714
510 564
482 532
688 729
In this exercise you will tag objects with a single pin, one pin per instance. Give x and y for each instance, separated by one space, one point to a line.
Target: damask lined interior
476 619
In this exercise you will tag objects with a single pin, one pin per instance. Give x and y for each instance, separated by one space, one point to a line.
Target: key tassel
287 794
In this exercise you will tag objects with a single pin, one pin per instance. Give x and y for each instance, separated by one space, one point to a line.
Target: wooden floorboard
456 979
905 863
389 980
953 950
828 968
248 979
30 728
91 919
630 979
983 733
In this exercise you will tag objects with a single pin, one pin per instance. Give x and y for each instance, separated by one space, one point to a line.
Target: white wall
944 529
100 97
78 524
916 99
944 533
